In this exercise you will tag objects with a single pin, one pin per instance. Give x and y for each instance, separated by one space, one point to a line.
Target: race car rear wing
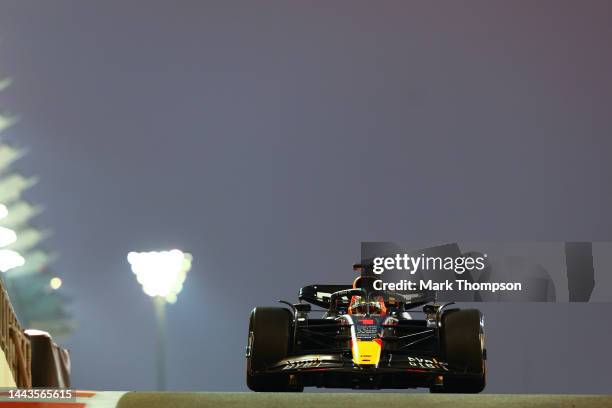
320 295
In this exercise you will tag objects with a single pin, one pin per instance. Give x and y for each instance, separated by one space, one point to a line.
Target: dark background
271 138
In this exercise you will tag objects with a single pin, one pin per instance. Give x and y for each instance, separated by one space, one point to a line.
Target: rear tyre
268 342
462 339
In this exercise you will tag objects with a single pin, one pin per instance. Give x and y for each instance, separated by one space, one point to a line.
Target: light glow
161 273
7 236
10 259
55 283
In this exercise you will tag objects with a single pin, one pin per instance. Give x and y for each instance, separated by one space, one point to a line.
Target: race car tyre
462 340
268 342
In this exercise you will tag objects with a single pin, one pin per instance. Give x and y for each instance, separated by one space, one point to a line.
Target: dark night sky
270 138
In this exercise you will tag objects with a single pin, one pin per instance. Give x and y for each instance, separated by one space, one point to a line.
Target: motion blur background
270 138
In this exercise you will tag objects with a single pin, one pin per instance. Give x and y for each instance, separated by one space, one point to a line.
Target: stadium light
161 274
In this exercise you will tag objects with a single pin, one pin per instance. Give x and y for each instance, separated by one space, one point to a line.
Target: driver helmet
360 306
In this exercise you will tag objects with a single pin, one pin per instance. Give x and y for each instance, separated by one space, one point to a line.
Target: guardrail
14 343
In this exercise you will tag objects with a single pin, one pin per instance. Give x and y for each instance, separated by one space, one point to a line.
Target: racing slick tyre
462 339
268 342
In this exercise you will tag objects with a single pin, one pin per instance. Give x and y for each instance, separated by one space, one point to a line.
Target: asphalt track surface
386 400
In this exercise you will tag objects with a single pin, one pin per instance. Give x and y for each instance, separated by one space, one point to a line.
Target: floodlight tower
161 274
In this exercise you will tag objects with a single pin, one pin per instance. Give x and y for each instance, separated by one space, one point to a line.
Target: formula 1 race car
366 339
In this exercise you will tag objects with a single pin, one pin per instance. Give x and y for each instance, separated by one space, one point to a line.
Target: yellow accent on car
366 352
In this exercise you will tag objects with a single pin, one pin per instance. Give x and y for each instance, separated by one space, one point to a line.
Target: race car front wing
392 371
342 363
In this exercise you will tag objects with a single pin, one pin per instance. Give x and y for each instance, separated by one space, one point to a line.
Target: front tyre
268 342
462 339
